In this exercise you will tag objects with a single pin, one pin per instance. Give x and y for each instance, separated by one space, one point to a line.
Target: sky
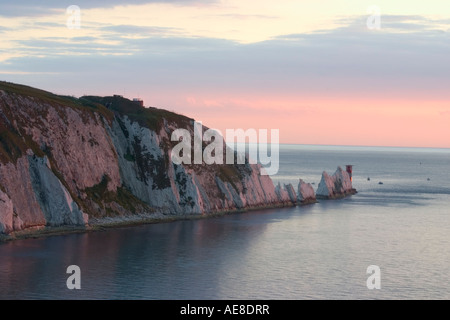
349 72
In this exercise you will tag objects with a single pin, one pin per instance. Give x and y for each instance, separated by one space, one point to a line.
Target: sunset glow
313 69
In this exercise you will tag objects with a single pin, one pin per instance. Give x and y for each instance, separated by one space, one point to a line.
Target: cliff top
106 106
149 117
14 140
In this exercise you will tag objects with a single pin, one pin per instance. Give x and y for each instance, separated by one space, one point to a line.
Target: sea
391 241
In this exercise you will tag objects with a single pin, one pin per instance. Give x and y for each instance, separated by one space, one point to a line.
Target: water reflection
134 262
319 251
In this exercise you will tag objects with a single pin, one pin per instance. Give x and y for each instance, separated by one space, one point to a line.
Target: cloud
410 23
44 25
392 23
347 61
26 8
139 30
56 46
245 16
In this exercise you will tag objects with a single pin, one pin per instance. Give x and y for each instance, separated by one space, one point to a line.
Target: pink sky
332 121
319 76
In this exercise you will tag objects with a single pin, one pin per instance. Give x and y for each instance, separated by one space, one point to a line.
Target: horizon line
352 146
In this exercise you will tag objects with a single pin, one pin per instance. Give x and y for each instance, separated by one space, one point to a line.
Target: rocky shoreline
339 178
102 224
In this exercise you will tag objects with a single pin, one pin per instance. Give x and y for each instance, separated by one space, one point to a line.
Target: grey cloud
336 62
245 16
84 39
133 29
43 25
195 44
403 18
408 23
31 10
53 47
403 26
396 22
24 8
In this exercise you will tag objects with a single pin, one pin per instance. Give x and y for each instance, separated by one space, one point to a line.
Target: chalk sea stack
336 186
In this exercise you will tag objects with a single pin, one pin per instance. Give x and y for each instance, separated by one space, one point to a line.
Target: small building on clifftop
138 101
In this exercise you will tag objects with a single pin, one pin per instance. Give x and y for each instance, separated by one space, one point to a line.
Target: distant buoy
368 178
380 182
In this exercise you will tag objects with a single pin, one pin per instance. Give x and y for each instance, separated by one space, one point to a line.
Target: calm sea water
320 251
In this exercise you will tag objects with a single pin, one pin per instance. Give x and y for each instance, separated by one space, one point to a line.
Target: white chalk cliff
304 195
6 213
65 160
306 192
282 193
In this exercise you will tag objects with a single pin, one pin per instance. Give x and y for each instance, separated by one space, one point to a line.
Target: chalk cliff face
6 213
64 161
54 200
144 158
306 192
304 195
282 193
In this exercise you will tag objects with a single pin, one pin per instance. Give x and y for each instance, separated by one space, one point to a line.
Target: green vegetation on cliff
100 194
149 117
54 99
14 142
